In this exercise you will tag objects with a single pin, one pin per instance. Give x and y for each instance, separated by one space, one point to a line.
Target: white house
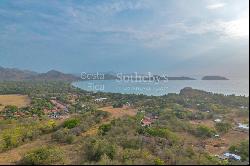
217 135
243 126
232 156
217 120
100 99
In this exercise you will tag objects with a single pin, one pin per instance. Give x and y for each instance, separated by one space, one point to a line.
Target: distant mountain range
9 74
13 74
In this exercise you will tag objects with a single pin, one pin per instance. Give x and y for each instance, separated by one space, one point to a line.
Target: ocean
226 87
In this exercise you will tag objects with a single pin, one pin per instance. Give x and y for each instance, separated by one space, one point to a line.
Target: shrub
158 161
12 138
48 126
223 127
43 156
241 149
18 134
71 123
11 108
63 136
96 148
103 129
163 133
77 131
130 142
204 132
9 111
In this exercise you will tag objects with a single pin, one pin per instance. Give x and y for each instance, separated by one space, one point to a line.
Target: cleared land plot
120 112
219 146
16 100
115 113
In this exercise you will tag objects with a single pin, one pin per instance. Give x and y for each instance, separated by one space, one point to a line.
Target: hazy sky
172 36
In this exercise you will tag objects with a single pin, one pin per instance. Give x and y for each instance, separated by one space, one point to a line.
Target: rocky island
214 78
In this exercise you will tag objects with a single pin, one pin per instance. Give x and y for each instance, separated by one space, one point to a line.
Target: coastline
229 87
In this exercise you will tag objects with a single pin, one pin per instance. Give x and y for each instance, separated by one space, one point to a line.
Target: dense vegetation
15 133
89 135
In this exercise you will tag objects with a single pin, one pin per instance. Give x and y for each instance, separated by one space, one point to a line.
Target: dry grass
215 146
222 144
208 123
120 112
16 100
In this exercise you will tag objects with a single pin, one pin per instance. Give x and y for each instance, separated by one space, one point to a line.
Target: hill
55 75
12 74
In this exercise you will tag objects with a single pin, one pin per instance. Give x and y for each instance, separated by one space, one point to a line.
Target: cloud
238 28
235 28
162 36
99 22
108 8
216 6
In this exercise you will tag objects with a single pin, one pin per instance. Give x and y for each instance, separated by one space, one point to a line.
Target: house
217 120
232 156
54 115
58 111
127 104
46 111
155 117
100 99
243 107
58 105
216 135
243 126
146 122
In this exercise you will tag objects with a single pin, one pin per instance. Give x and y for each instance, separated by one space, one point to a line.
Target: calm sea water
237 87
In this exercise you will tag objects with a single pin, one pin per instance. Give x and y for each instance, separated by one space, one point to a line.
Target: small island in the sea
180 78
214 78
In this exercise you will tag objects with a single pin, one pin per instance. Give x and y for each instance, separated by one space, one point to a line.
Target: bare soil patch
15 99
